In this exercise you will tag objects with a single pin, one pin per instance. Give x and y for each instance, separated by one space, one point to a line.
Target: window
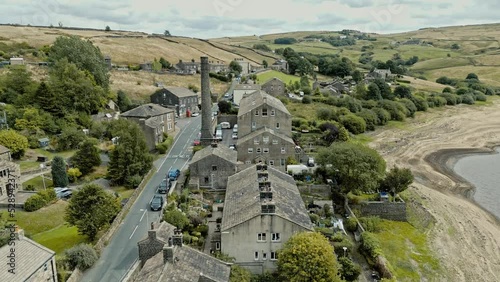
254 124
163 128
217 246
275 237
271 162
169 126
264 112
283 150
214 168
266 150
256 256
273 113
265 139
264 255
261 237
274 255
162 118
275 141
250 150
248 162
258 150
206 179
169 116
283 162
256 141
256 112
277 125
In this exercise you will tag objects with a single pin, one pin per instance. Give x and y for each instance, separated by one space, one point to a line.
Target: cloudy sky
217 18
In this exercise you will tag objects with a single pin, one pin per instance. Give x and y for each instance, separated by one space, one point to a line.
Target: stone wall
387 210
323 191
232 119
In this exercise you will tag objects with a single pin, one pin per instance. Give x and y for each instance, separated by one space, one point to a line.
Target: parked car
164 186
63 193
225 124
173 174
235 135
310 161
156 203
196 143
235 128
232 147
195 114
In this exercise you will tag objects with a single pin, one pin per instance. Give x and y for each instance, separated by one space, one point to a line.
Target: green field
60 238
407 250
37 182
286 78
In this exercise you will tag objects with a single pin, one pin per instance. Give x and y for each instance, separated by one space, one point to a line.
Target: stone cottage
211 166
154 120
275 87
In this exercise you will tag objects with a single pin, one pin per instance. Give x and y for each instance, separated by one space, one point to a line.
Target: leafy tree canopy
15 142
397 180
235 67
86 158
59 174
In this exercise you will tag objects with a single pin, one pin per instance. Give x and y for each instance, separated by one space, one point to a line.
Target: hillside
478 52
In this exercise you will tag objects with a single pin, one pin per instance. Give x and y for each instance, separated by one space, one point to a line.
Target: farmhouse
263 209
280 65
275 87
180 98
154 120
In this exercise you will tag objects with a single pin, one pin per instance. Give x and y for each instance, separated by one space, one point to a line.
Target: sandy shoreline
465 237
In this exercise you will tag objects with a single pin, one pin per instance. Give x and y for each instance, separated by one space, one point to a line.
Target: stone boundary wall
388 210
232 119
75 276
322 190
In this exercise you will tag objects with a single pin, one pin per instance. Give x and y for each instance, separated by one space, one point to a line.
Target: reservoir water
483 171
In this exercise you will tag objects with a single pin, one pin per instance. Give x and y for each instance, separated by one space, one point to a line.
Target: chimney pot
168 254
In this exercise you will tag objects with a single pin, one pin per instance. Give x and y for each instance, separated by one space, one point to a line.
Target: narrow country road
121 252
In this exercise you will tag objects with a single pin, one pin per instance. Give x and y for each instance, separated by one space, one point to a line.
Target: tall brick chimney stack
206 104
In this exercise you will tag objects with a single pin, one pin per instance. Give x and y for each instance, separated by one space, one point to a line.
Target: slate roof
30 256
189 265
262 130
4 150
243 202
147 111
258 98
273 79
221 151
247 87
180 91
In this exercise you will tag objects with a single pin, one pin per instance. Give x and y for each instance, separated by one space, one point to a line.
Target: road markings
133 232
145 210
175 142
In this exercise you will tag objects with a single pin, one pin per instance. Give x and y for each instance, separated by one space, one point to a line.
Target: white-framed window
271 162
217 246
169 126
275 141
256 255
264 112
265 139
256 112
169 116
277 125
275 237
258 150
264 255
274 255
162 118
254 124
261 237
283 151
250 150
266 150
273 113
256 141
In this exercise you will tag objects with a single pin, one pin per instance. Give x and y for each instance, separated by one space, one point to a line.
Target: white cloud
214 18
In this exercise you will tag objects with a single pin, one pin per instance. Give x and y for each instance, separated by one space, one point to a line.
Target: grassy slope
263 77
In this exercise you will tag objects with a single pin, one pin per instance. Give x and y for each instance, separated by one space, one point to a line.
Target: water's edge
444 161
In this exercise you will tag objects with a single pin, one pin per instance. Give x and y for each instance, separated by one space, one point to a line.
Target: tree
46 99
349 271
357 76
91 209
86 158
373 92
402 92
156 66
107 28
330 132
15 142
265 64
397 180
472 76
239 274
235 67
82 256
123 101
167 33
177 219
354 166
83 54
73 174
58 171
131 156
308 256
18 85
164 63
385 89
224 107
70 138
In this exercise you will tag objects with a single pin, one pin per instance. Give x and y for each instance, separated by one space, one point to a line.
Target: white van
225 124
235 128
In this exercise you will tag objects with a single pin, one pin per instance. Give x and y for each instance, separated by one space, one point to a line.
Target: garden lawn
406 249
263 77
60 238
37 182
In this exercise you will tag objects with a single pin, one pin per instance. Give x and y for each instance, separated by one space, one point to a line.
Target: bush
351 224
34 203
383 116
48 195
451 99
370 223
468 99
353 123
82 256
73 174
480 96
420 103
410 106
349 271
370 246
306 100
133 181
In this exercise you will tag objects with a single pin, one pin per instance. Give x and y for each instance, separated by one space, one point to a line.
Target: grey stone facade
182 99
12 171
387 210
212 166
280 65
275 87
